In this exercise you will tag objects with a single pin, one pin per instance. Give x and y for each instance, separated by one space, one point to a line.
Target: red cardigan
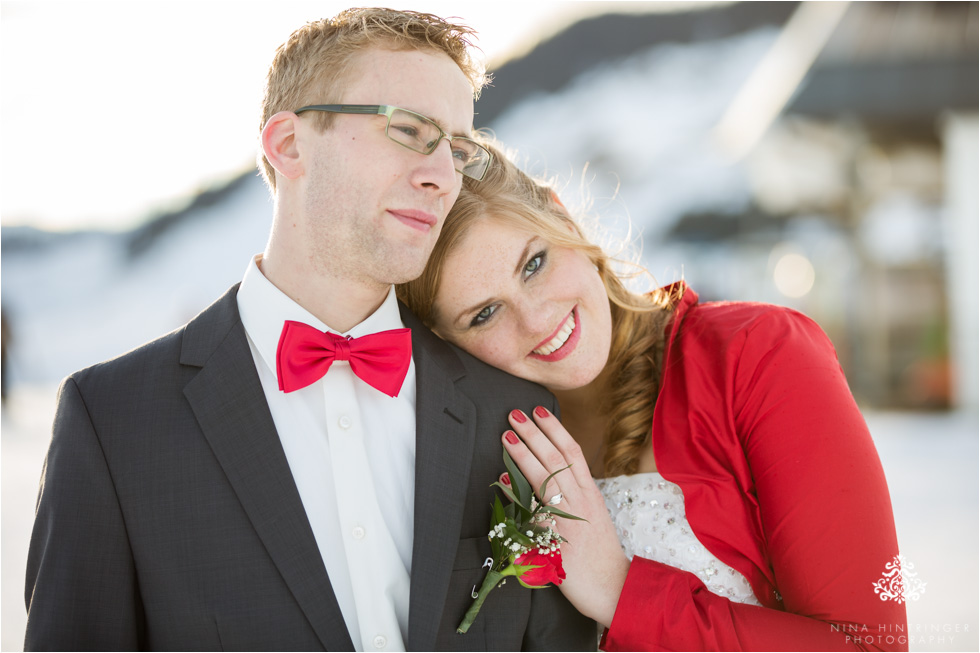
781 481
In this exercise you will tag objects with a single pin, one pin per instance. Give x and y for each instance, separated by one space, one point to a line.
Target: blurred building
850 140
865 187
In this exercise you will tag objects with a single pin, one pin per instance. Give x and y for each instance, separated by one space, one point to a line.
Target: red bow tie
305 354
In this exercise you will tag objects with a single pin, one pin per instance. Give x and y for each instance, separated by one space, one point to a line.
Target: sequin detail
648 512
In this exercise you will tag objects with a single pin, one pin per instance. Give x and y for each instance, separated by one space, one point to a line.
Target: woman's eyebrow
524 255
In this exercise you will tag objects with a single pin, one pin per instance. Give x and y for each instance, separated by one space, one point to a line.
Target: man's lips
566 347
420 220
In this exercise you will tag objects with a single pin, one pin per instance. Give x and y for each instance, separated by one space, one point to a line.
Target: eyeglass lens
418 133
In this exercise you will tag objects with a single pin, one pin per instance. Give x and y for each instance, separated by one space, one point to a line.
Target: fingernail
518 416
511 437
505 478
541 411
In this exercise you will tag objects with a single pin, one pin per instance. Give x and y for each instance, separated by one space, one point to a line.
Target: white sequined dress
648 512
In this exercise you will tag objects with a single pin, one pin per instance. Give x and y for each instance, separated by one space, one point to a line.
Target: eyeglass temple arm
346 108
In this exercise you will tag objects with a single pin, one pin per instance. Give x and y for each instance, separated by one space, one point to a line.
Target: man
228 486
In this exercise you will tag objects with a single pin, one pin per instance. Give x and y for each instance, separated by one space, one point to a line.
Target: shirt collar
264 309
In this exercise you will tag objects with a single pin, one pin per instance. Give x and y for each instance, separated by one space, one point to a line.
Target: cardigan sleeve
823 504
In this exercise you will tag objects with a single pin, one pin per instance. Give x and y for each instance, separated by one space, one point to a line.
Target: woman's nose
537 318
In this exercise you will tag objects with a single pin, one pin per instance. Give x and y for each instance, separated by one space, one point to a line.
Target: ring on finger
555 500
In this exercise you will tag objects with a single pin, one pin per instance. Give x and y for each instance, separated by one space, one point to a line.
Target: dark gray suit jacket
168 519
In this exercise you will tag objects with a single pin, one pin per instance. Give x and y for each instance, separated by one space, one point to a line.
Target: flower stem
493 577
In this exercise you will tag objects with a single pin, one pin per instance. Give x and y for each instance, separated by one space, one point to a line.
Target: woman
748 506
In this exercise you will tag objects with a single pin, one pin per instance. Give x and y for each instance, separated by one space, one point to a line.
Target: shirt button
344 422
380 641
358 534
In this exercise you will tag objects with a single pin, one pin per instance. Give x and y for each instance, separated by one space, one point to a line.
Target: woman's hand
593 559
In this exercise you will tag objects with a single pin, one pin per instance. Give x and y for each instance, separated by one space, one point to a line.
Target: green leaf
561 513
514 532
507 492
544 485
498 511
515 510
517 480
517 570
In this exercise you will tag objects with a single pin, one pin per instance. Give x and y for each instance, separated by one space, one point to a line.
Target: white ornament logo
898 582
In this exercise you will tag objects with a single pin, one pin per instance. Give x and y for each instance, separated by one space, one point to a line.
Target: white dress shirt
351 450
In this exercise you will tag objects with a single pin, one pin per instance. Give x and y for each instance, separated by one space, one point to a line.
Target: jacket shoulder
189 344
482 375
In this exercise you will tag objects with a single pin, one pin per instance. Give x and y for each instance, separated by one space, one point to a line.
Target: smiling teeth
555 343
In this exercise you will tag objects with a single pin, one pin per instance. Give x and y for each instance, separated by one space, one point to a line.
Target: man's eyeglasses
419 134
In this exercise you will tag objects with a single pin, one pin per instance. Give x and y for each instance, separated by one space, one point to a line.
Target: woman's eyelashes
534 265
485 314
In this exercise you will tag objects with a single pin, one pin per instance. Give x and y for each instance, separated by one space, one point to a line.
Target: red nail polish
505 478
518 416
541 411
511 437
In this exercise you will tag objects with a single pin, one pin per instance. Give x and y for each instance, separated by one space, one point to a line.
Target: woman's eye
534 264
483 316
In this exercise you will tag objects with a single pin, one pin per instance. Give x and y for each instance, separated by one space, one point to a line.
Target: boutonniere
522 541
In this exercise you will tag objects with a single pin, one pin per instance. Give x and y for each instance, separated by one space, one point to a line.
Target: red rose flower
548 568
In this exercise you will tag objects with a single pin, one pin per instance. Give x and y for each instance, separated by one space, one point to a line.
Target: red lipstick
567 348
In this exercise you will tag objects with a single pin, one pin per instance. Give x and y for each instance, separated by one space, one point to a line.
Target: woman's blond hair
510 196
313 65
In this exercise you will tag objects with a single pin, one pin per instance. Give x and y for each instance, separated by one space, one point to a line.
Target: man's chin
404 274
408 268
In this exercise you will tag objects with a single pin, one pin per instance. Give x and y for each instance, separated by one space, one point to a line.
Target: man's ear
279 144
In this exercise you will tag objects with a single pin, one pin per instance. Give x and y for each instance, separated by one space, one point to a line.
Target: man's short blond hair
312 66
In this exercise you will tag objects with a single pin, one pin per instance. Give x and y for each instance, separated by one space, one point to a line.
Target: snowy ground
930 460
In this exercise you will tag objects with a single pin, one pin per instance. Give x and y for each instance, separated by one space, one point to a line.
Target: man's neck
341 304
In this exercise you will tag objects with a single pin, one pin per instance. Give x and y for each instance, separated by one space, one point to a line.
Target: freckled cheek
500 354
496 355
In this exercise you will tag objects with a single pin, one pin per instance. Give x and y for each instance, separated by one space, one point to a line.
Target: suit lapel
227 399
445 430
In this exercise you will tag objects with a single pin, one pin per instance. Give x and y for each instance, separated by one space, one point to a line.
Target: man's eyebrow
441 124
517 271
465 134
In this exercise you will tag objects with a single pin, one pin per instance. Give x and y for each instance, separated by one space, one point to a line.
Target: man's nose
438 170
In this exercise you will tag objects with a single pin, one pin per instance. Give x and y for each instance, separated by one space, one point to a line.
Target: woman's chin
584 372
